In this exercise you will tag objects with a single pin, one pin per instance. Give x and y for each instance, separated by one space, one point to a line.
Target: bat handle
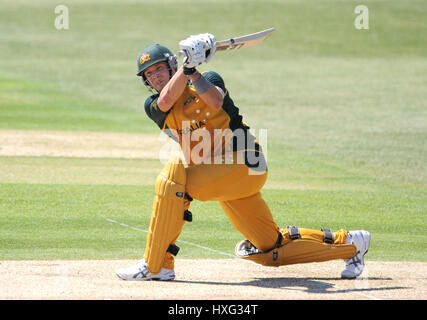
182 53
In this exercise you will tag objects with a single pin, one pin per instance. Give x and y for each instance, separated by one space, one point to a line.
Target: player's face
158 75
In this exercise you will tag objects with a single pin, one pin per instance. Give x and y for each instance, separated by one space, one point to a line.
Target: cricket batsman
223 162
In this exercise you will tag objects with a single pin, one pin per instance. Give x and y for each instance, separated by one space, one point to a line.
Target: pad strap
328 236
188 216
278 243
188 197
173 249
294 233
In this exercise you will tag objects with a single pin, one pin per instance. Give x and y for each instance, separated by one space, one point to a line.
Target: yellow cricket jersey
194 124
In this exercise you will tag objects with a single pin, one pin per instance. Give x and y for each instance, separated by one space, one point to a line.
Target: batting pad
296 251
167 218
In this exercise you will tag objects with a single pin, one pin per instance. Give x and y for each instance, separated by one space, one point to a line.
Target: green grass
55 213
345 111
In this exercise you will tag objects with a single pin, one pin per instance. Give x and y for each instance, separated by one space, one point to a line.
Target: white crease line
182 241
348 290
242 260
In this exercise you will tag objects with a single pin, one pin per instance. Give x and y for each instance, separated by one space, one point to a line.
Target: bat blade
247 41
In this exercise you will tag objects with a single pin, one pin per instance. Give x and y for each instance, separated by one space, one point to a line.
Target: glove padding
198 49
210 47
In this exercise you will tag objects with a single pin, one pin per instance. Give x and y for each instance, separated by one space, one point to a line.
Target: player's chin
160 85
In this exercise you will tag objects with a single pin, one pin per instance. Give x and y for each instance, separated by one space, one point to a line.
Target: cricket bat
247 41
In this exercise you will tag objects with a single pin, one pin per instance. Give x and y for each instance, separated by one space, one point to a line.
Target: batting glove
210 47
194 52
198 49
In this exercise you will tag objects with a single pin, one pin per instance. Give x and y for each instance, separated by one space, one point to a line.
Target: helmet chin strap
172 61
147 84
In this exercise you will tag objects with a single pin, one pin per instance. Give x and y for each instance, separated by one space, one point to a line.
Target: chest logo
191 128
189 101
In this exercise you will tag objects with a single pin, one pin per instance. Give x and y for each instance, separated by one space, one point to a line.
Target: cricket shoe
140 272
354 266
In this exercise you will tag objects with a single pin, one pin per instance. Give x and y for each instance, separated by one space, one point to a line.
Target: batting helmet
153 54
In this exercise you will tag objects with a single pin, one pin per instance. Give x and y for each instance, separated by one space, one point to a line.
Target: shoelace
143 271
355 260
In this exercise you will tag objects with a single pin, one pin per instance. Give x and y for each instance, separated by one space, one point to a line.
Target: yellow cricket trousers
237 188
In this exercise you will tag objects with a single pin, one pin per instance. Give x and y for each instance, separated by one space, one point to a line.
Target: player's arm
153 111
212 95
201 49
172 91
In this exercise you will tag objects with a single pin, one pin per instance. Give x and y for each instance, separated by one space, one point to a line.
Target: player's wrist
189 71
201 84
